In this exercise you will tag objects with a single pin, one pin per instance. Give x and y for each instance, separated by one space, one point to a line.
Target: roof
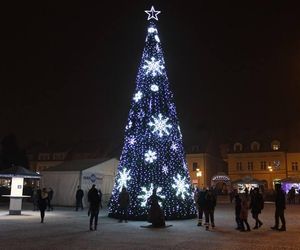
18 171
77 165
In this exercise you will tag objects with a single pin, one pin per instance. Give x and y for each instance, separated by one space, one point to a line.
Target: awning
18 171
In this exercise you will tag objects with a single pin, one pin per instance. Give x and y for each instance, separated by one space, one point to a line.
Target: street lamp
271 170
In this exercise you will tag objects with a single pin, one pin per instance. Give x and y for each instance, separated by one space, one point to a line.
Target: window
58 156
195 166
263 165
44 157
250 166
237 147
239 166
275 145
294 166
255 146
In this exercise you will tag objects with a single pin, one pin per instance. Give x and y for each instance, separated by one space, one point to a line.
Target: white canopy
65 178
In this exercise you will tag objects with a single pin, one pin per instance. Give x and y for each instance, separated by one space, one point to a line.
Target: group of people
206 201
256 204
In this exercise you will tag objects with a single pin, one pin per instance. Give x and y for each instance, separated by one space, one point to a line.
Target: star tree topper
152 13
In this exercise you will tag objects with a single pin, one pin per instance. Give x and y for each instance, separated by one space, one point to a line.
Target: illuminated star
132 140
152 13
174 146
165 169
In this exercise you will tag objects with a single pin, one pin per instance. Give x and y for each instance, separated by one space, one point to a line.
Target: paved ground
67 229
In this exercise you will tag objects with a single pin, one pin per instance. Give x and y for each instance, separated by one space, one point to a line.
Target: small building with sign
66 177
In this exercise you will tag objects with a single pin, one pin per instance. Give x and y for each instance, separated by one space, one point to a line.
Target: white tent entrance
65 178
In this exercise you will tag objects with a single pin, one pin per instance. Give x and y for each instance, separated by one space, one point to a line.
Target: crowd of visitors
205 200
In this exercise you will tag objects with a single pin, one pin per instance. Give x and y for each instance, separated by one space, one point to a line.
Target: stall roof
77 165
18 171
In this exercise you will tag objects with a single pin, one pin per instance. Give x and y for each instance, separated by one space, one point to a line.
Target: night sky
68 69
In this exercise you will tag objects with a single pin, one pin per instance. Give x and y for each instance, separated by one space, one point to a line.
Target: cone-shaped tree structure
153 154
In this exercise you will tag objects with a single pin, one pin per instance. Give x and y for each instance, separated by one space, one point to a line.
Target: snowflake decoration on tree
150 156
147 193
160 125
180 186
138 96
165 169
174 146
124 177
153 67
131 140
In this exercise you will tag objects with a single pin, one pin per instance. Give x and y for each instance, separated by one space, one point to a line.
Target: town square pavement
65 228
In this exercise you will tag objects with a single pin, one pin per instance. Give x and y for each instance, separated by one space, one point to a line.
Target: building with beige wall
265 161
202 168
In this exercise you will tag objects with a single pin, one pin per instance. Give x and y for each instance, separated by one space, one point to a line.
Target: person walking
200 205
123 204
209 208
79 196
256 206
50 196
42 202
244 215
238 208
94 198
279 208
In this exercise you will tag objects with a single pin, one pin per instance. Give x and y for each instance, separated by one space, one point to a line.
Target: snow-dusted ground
66 229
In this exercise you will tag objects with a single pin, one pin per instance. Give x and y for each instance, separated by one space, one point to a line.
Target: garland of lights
153 150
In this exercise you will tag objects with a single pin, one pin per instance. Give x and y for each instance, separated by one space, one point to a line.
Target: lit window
275 145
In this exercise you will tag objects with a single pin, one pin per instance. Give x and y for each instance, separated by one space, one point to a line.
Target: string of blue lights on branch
153 154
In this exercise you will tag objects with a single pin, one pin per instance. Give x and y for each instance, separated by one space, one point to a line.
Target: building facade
268 162
203 167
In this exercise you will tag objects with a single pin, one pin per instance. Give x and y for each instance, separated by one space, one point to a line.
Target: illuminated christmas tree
153 154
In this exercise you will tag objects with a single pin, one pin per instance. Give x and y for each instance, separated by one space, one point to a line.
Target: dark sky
68 69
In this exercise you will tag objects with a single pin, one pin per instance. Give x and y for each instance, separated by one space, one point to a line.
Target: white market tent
65 178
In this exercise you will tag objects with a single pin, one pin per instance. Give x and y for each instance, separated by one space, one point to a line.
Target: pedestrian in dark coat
156 214
256 205
200 205
50 196
123 204
79 196
94 198
279 208
238 208
209 208
42 202
244 215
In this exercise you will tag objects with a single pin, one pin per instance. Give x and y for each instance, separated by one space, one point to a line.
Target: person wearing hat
279 208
